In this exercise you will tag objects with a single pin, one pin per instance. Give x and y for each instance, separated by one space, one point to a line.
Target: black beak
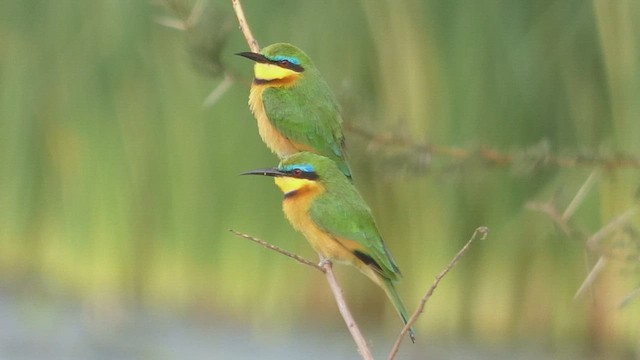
265 172
254 56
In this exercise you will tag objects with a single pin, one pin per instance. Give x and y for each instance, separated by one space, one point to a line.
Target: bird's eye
297 172
284 62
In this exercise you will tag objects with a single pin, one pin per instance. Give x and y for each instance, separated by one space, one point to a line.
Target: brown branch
244 26
325 267
493 156
359 339
284 252
484 231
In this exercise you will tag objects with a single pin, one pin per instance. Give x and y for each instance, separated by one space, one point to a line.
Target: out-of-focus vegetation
118 187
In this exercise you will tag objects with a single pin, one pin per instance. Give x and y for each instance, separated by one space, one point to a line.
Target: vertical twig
359 339
244 26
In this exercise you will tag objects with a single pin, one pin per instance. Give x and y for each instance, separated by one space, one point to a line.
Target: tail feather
391 292
344 167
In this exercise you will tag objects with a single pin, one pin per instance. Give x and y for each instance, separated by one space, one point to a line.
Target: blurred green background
118 187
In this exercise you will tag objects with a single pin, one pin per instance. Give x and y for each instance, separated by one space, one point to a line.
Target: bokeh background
118 184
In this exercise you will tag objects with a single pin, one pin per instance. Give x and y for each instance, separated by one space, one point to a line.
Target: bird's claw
324 262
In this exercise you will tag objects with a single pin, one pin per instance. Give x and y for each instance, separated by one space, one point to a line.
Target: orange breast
296 208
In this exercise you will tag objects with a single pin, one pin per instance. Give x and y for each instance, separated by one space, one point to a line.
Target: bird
293 105
323 204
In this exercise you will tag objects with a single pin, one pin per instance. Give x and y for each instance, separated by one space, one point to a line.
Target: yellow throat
268 75
289 185
268 72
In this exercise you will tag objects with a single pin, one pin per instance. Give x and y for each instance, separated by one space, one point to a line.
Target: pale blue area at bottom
32 328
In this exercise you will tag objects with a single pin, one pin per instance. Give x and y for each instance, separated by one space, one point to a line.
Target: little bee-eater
322 204
294 106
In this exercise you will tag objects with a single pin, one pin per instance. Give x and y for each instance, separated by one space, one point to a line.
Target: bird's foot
323 262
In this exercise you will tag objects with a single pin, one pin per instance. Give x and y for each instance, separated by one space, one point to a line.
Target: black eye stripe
301 174
288 65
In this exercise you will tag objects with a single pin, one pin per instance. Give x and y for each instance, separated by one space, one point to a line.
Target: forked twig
593 244
551 208
594 241
629 298
325 266
183 24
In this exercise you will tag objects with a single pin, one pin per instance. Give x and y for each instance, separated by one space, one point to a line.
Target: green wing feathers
344 214
308 115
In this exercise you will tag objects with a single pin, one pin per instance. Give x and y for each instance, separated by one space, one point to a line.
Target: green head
306 173
279 62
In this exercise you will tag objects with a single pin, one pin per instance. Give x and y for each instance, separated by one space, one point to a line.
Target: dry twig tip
483 231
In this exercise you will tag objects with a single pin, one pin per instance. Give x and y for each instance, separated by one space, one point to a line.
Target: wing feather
346 216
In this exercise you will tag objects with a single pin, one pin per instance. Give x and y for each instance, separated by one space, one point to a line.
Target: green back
341 211
306 112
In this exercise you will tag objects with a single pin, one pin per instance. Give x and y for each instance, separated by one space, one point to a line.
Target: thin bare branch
359 339
171 23
593 244
325 266
196 13
580 195
218 91
295 257
629 298
593 274
244 26
182 23
549 208
484 231
595 239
